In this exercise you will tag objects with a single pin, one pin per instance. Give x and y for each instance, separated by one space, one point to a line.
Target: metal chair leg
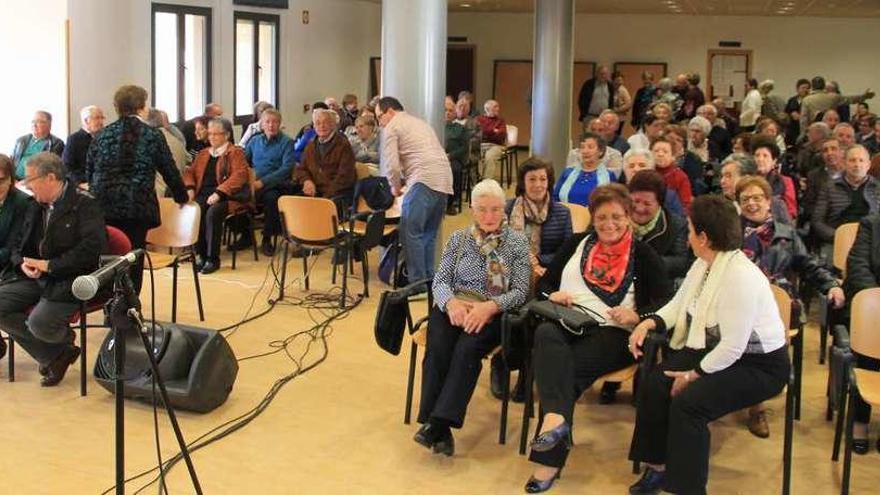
410 381
787 440
174 293
283 271
529 404
11 358
82 355
505 399
847 452
839 424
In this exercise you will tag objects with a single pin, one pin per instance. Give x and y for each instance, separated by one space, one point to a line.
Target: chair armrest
654 342
841 337
513 326
414 288
418 325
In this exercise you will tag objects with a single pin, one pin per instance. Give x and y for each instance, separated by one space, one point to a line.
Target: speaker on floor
196 364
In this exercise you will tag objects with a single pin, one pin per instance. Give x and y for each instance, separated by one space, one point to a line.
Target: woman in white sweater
727 353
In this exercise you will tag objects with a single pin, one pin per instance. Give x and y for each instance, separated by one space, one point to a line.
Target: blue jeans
420 216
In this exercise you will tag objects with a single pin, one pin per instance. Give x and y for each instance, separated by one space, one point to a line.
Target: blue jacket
301 142
272 159
555 230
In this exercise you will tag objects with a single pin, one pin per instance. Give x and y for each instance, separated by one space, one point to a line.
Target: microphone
85 287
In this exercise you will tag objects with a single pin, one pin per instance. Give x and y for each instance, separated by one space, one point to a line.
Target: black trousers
211 228
452 365
675 430
137 234
268 198
565 365
862 410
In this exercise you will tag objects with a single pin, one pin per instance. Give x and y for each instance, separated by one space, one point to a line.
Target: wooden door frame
712 52
473 49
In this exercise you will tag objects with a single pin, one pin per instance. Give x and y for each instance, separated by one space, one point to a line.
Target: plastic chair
118 244
783 303
313 223
248 215
580 217
179 230
844 238
863 339
509 159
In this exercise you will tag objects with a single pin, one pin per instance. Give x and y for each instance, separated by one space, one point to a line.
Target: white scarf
703 286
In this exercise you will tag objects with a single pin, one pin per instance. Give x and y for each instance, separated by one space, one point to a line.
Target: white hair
488 187
86 112
319 112
635 152
608 111
700 123
841 126
487 104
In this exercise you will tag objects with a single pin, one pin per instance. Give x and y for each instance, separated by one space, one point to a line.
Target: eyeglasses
480 210
754 197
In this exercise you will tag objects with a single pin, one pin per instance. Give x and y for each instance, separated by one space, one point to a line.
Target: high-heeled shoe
547 441
535 485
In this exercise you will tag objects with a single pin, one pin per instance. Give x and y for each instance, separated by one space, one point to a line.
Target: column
552 75
414 57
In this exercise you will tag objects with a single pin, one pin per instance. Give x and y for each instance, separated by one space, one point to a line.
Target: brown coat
232 174
332 174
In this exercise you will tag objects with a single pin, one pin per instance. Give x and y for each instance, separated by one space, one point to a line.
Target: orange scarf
606 266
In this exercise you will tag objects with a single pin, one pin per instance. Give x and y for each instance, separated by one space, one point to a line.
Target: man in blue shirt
40 139
271 156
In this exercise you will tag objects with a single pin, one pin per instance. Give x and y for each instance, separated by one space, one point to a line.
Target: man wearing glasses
40 139
61 238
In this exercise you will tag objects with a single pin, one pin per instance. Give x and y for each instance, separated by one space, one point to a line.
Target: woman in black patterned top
483 272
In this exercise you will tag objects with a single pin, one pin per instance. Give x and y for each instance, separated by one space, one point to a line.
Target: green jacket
457 141
12 215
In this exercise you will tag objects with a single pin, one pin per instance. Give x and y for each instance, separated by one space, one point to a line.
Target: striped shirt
411 153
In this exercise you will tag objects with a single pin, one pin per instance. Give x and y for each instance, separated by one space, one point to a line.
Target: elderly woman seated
638 159
727 351
254 128
365 142
578 181
484 271
13 204
327 168
611 273
767 155
218 181
778 251
655 225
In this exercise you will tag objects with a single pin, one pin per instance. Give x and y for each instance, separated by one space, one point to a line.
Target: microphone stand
125 316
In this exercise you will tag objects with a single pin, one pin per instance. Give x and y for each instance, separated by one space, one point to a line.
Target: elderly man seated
494 131
74 155
611 122
40 139
327 167
188 128
271 156
365 142
62 237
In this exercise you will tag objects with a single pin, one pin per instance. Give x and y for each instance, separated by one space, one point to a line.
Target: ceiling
817 8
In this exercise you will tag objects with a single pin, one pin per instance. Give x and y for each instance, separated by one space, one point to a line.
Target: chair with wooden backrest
248 215
509 159
783 303
844 238
179 231
864 340
580 217
118 244
312 223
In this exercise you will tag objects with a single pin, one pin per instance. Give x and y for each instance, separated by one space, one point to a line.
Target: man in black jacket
62 237
77 146
597 94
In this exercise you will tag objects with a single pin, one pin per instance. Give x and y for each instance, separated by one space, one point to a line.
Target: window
181 60
257 38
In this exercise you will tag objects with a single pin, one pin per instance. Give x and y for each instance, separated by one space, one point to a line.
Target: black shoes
209 267
267 248
497 377
650 483
861 446
244 242
56 369
549 439
535 485
608 394
438 439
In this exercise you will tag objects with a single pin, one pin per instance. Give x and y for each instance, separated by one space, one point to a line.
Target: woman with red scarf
609 272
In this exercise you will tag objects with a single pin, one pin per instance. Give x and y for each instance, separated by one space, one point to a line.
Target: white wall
785 49
110 45
33 60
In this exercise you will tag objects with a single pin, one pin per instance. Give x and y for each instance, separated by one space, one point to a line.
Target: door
632 80
728 72
460 69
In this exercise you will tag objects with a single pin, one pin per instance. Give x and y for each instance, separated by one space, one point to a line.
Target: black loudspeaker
196 364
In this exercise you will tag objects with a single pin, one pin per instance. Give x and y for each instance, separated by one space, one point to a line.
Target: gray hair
820 126
665 84
845 153
46 115
488 187
86 112
367 120
841 125
744 162
154 118
608 111
707 107
700 123
767 85
635 152
324 112
486 105
48 163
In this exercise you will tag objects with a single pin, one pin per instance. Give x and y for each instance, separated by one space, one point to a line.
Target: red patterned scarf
606 266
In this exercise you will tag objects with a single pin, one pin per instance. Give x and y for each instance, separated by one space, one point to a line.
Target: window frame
181 11
255 18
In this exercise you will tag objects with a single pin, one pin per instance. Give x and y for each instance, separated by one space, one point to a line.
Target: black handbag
576 319
393 314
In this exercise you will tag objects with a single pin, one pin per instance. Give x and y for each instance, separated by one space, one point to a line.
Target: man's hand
258 184
309 188
837 297
34 268
457 311
213 199
479 316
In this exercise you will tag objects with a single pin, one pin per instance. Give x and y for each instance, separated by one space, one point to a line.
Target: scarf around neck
757 238
496 273
607 270
528 217
640 231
